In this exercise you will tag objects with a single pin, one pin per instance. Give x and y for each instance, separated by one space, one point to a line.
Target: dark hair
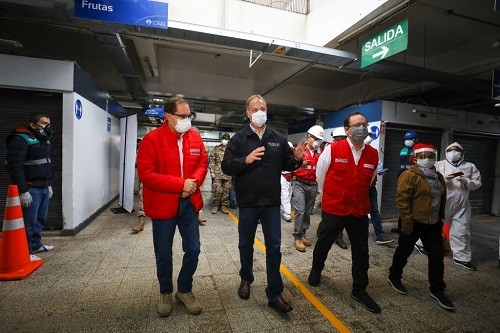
36 116
348 118
171 104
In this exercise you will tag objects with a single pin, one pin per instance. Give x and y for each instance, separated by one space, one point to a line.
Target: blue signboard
154 112
145 13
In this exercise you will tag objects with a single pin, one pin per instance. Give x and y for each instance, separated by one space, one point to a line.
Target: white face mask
453 156
409 143
316 144
182 125
259 118
426 162
368 140
224 142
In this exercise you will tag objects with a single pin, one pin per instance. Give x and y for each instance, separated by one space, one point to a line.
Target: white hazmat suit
458 208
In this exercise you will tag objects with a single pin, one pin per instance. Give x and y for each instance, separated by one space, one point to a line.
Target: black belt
308 182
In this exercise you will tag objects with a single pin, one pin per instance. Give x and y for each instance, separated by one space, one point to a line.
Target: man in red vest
305 188
344 173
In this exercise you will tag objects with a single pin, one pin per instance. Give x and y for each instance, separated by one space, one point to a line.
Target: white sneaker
45 248
34 257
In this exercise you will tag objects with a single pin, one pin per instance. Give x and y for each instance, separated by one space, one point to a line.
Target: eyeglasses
190 116
359 124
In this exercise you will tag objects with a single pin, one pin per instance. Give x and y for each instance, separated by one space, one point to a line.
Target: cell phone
456 174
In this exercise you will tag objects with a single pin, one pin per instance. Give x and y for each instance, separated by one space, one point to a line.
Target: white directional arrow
383 53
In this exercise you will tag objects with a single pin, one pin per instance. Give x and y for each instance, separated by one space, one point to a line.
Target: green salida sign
385 44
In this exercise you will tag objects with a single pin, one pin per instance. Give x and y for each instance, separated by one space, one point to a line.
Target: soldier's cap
226 136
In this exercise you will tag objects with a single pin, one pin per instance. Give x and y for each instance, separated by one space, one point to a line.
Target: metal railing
295 6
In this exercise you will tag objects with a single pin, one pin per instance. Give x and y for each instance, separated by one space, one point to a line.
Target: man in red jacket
172 165
344 173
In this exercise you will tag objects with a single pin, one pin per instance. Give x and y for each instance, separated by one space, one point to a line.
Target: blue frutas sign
154 112
145 13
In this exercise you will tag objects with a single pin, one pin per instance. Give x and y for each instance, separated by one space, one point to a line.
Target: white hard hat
338 132
317 131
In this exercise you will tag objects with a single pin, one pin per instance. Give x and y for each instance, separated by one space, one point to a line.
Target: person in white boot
461 177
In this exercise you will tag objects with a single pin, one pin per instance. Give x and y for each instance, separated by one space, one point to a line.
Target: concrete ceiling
448 62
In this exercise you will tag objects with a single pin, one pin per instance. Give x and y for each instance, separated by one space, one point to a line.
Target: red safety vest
308 172
345 191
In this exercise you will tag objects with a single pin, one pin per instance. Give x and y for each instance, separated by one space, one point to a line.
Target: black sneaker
365 299
314 277
420 249
398 286
466 264
443 301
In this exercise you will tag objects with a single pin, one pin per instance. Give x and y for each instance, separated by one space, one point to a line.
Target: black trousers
430 234
357 230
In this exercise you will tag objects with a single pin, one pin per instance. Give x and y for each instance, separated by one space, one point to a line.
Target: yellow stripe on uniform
336 322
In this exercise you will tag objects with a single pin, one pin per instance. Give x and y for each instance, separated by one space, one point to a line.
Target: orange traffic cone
15 260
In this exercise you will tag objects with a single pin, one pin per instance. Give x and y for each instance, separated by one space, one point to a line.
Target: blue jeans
232 195
270 220
35 216
375 214
163 236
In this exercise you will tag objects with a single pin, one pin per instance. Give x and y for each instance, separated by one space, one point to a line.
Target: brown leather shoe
299 245
202 220
139 226
306 241
340 242
224 210
244 290
280 305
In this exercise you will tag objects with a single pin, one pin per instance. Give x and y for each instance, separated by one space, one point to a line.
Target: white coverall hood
456 144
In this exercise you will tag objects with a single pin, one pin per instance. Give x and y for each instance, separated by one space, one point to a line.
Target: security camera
217 56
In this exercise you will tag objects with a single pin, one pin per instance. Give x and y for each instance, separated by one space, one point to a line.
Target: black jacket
28 159
258 184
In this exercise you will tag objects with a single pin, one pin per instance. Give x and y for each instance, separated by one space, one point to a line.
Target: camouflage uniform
221 182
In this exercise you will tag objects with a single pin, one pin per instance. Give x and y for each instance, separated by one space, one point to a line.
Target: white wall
329 18
239 16
24 72
90 160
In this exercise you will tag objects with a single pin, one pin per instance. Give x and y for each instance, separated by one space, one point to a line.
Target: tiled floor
104 280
